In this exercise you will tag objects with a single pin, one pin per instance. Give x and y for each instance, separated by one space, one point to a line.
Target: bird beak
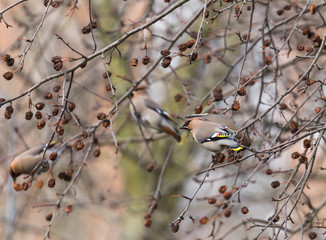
184 127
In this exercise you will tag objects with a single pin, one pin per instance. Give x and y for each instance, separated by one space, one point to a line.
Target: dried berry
242 91
94 24
303 159
267 42
194 56
39 183
68 208
207 58
268 60
198 109
235 106
148 222
5 57
134 62
39 106
2 100
53 156
182 47
107 74
280 12
8 75
227 212
56 88
309 50
58 66
7 115
106 123
86 29
222 189
300 48
313 9
10 109
175 227
28 115
287 7
46 2
294 127
305 31
227 195
56 59
317 110
230 158
55 3
149 167
166 62
219 157
165 52
190 43
41 124
218 94
203 220
178 97
146 60
61 175
60 130
307 143
25 186
18 187
211 200
244 210
79 146
51 183
83 64
295 155
283 106
97 153
49 217
101 116
38 115
47 96
275 184
71 106
10 62
312 235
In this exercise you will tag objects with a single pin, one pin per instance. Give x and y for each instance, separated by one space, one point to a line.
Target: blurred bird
150 115
25 162
216 132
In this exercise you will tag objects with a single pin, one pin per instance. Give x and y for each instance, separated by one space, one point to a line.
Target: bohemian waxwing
25 162
215 132
150 115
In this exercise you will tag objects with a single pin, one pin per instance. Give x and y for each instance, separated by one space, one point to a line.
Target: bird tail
174 133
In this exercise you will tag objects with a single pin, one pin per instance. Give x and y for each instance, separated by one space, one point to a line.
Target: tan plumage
215 132
150 115
25 162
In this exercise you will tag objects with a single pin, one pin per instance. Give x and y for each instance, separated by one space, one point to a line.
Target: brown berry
38 115
300 48
25 186
56 59
39 183
283 106
242 91
97 153
235 106
8 75
106 123
303 159
146 60
182 47
101 116
206 14
86 29
175 227
280 12
55 3
198 109
312 235
7 115
94 24
219 157
47 96
28 115
134 62
307 143
79 146
10 62
60 130
18 187
166 62
53 156
2 100
190 43
207 58
41 124
165 52
313 9
49 217
227 195
275 184
287 7
268 60
305 31
58 66
194 56
51 183
317 110
244 210
309 50
68 208
222 189
107 74
39 106
150 167
211 200
178 97
10 109
267 42
227 213
148 222
295 155
5 57
294 127
71 106
218 94
56 88
203 220
83 64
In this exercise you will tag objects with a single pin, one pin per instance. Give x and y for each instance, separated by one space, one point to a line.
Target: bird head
188 125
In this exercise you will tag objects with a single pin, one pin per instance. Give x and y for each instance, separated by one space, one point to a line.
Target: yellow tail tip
237 149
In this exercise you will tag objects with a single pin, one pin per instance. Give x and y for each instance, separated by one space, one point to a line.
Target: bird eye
131 94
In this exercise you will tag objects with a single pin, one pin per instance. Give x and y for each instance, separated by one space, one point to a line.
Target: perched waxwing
150 115
25 162
216 132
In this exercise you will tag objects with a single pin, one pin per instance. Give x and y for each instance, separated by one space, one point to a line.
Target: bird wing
215 135
157 108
